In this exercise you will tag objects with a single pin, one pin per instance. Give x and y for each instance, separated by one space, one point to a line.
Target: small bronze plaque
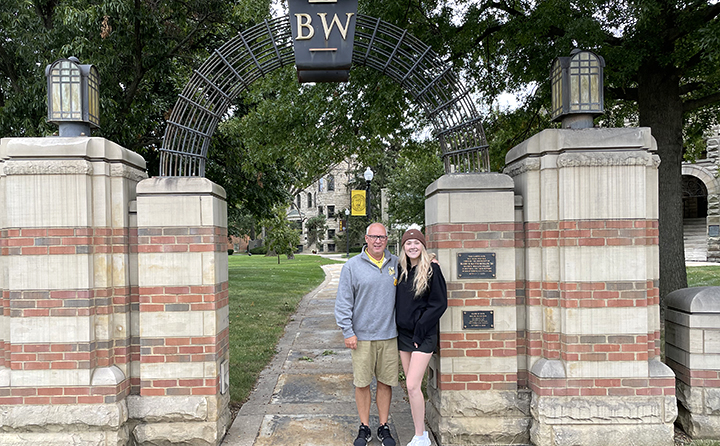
478 320
714 231
476 265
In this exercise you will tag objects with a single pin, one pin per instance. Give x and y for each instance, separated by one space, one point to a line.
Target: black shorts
405 342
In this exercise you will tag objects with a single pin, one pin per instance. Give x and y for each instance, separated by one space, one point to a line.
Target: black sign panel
323 33
476 265
478 320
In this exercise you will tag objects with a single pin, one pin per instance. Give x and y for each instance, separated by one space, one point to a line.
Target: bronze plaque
478 320
476 265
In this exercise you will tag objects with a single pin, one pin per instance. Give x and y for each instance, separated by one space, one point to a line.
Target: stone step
695 239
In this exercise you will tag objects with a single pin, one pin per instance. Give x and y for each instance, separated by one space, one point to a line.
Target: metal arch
268 46
212 88
433 85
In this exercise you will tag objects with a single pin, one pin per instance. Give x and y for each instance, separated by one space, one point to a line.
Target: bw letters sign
323 33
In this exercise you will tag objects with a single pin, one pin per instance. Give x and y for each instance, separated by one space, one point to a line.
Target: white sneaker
422 440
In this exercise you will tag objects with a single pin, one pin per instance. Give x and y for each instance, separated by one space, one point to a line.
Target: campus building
701 204
328 196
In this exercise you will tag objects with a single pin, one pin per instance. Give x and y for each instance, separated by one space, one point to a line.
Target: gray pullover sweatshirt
365 302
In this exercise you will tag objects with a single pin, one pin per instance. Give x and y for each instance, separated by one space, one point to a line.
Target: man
365 311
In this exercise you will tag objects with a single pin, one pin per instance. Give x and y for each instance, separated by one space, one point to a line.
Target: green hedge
261 250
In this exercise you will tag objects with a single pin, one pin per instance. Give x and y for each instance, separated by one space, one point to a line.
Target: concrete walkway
305 397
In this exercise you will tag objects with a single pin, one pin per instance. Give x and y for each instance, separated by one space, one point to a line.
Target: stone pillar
66 289
713 211
181 324
592 325
473 381
692 350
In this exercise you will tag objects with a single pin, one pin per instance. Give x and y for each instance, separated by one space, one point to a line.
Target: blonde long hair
423 271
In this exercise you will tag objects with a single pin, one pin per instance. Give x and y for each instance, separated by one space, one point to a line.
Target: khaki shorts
375 358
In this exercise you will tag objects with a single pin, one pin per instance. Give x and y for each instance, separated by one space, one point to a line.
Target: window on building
331 234
321 185
321 211
330 183
320 247
309 200
331 211
298 202
331 247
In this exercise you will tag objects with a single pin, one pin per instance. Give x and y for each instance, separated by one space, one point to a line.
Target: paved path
305 397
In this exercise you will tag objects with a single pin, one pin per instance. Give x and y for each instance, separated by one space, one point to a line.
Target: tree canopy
662 71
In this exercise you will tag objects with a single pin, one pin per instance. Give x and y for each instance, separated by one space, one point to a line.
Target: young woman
420 300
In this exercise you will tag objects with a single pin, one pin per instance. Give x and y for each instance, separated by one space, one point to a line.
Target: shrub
230 252
261 250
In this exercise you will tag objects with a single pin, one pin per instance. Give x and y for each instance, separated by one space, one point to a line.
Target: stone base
186 420
118 438
61 425
699 410
699 426
480 417
137 421
602 435
603 420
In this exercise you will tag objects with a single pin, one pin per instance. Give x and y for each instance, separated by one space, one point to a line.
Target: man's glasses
377 237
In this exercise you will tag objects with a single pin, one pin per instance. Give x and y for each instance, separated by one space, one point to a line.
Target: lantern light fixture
577 89
73 96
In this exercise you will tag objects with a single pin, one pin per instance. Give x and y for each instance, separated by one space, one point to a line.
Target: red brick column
473 385
589 273
486 294
65 324
182 334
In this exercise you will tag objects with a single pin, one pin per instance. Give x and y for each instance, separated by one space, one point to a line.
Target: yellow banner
357 200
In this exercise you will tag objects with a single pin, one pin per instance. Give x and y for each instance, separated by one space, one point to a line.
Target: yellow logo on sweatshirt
391 271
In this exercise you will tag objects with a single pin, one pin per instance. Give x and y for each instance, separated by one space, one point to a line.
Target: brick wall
182 300
477 294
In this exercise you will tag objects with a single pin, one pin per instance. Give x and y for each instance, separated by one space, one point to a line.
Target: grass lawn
703 275
263 296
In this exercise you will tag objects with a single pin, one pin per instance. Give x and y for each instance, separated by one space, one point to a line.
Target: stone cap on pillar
705 299
180 185
559 140
91 148
471 182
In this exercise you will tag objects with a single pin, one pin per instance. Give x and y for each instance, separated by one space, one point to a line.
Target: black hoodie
420 315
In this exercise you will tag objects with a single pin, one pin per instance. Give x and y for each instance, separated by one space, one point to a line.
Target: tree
316 229
144 51
282 238
662 70
418 165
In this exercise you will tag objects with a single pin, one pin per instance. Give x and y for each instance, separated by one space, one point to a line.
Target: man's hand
351 342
